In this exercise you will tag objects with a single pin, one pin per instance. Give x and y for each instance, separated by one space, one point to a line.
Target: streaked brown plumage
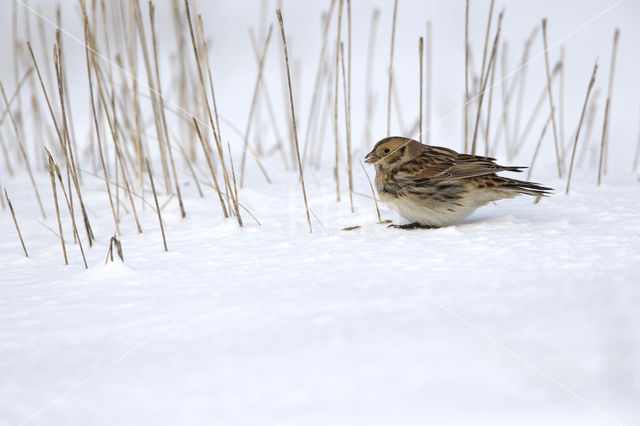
432 186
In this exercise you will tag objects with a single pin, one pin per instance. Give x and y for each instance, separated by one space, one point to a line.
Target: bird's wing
430 163
434 164
467 166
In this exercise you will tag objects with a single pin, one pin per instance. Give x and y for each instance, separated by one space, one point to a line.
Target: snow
524 308
524 314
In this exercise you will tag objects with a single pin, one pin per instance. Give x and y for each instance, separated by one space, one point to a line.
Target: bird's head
389 152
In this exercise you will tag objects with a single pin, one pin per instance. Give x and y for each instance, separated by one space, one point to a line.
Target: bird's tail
525 187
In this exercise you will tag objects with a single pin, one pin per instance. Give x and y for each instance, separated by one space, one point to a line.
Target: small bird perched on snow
432 186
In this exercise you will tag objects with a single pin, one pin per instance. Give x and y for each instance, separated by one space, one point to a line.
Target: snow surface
524 314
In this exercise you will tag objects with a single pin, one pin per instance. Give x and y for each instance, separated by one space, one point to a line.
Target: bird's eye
387 150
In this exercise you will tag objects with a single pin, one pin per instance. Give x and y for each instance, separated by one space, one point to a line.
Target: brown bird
432 186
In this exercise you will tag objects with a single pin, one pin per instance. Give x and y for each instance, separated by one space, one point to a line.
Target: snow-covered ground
524 314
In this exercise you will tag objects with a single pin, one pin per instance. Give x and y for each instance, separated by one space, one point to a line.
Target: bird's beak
371 158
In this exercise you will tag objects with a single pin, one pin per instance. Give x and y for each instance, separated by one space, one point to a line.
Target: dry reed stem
293 116
317 82
466 79
22 150
133 71
489 102
55 200
559 159
114 241
348 127
88 42
254 101
637 156
348 92
76 234
72 173
535 153
393 39
483 68
369 97
15 93
428 78
153 93
235 187
561 102
604 141
336 169
584 108
373 192
506 99
191 170
266 96
522 81
211 169
161 107
532 118
483 84
155 198
15 221
112 123
421 72
205 49
206 101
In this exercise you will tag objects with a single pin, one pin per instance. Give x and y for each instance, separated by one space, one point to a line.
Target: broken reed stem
155 198
336 170
348 127
584 108
22 149
373 192
254 101
162 114
13 214
235 187
114 241
550 95
421 61
55 200
293 116
393 39
466 78
604 141
484 83
535 153
211 169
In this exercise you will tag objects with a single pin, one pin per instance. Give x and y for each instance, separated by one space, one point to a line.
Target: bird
433 186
